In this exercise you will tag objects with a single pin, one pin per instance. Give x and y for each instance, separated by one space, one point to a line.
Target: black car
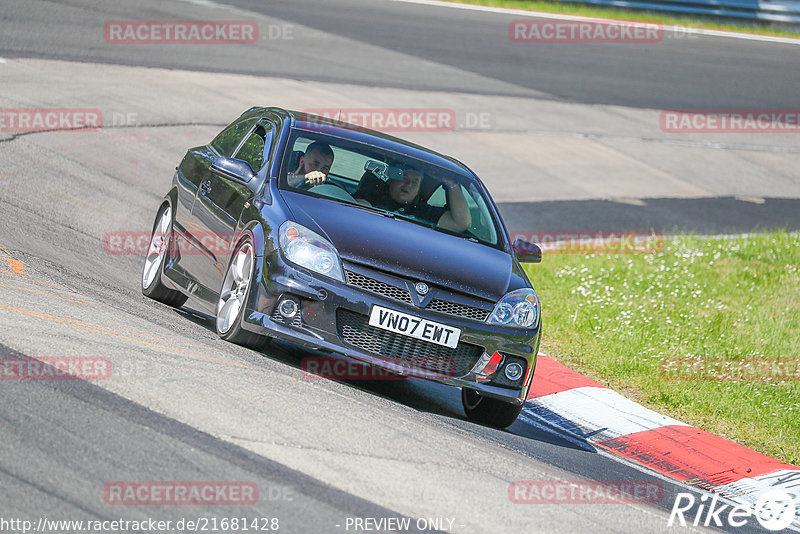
335 237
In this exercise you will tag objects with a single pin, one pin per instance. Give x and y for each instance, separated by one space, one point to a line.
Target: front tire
156 258
233 298
488 411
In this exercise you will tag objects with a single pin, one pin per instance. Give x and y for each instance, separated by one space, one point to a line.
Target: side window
439 197
482 227
227 141
252 150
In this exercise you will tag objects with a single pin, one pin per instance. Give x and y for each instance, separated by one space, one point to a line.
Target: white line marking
746 198
206 3
721 237
724 497
612 412
601 413
748 490
543 15
739 492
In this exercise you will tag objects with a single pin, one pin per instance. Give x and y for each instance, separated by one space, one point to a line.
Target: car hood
405 248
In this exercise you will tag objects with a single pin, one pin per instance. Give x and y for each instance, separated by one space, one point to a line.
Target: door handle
205 187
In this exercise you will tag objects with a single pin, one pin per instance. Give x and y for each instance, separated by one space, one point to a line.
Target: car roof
317 123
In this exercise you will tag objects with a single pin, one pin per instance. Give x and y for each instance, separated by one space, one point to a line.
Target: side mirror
234 169
527 252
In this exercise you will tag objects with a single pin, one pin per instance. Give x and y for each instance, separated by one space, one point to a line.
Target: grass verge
618 318
642 16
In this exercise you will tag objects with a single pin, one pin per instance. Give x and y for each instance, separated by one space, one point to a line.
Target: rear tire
488 411
155 259
233 296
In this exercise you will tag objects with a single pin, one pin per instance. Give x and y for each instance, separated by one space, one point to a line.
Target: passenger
404 199
314 165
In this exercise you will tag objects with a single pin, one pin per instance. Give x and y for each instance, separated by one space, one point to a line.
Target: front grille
376 286
354 330
438 305
460 310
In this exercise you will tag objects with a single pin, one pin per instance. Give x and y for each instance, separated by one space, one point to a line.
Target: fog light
287 308
513 371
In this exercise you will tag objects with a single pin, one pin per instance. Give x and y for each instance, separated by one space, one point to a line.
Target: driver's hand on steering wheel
316 178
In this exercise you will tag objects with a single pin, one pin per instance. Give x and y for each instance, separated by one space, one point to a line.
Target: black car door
189 174
193 175
219 205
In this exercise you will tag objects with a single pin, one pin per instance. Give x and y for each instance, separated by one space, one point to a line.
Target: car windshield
393 184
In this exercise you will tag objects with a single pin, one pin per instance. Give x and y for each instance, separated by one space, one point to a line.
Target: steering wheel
305 185
333 191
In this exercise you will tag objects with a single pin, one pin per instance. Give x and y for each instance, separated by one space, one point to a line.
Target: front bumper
333 317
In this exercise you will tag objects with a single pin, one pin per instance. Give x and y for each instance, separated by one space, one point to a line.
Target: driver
314 165
404 198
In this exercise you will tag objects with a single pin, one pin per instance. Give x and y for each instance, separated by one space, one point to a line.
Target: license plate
416 327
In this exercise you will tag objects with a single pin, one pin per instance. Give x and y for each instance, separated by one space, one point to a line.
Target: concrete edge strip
587 412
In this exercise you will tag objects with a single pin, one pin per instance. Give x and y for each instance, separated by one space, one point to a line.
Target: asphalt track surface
193 408
402 45
700 72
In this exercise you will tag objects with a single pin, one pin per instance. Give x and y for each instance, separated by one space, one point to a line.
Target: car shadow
197 317
433 398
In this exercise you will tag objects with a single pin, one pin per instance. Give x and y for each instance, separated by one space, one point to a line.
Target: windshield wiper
370 208
415 220
393 215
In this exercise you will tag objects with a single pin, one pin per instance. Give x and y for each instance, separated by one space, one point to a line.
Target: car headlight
308 249
519 308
